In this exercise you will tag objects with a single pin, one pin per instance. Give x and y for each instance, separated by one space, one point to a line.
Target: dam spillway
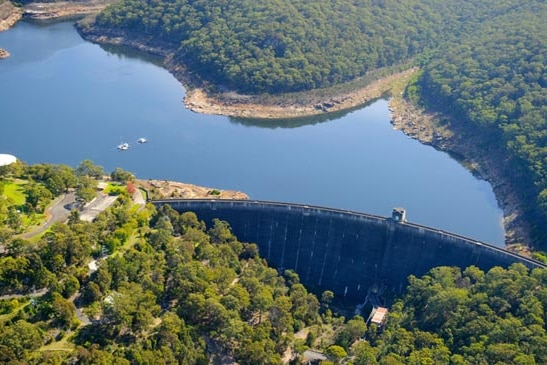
344 251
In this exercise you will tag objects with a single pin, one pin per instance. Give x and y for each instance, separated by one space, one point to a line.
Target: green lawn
15 192
114 188
62 345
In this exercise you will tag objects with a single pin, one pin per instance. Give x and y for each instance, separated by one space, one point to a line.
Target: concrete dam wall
343 251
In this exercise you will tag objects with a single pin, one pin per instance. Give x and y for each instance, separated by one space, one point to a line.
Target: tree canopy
145 285
494 80
282 45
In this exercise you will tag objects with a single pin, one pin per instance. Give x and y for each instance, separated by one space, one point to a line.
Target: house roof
379 315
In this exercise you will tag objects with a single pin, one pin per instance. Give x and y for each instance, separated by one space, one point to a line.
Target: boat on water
123 147
142 140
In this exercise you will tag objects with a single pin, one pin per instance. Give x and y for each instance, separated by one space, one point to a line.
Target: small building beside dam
346 252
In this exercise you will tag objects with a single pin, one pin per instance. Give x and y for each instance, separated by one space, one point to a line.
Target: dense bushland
167 289
495 81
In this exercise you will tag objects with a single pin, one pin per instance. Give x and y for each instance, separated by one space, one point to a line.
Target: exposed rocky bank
237 105
64 9
3 53
163 189
9 15
493 165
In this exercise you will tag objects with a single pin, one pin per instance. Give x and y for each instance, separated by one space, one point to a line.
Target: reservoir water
64 100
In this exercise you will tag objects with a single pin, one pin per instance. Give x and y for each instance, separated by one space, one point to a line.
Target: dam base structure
343 251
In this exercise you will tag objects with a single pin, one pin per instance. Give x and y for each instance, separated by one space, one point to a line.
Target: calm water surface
63 100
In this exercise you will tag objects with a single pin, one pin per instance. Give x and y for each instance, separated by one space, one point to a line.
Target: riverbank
246 106
9 15
63 9
163 189
459 140
232 104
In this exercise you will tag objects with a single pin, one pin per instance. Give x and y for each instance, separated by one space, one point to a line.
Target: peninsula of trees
280 45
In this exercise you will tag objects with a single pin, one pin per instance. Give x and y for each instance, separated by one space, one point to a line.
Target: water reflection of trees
125 52
296 122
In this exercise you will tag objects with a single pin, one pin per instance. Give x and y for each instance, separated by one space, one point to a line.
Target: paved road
56 212
34 294
59 211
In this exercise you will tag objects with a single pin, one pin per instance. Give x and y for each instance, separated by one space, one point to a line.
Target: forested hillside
282 45
135 286
495 80
141 285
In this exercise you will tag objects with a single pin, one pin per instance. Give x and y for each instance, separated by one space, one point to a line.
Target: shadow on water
46 23
125 52
297 122
53 37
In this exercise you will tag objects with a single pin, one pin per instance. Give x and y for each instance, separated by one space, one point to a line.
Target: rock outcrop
9 15
3 53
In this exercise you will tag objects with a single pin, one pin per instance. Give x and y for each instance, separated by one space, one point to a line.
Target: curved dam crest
344 251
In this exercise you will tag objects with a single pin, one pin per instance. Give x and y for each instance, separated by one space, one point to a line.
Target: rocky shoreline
9 15
234 105
63 9
457 139
163 189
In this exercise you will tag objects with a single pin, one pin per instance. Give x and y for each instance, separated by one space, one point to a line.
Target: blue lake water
64 100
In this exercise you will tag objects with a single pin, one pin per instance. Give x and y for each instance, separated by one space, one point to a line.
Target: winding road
58 211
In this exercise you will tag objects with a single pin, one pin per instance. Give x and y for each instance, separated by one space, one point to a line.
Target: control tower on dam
346 252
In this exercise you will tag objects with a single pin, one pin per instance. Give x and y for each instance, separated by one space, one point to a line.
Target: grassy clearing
20 304
61 345
113 188
34 220
131 241
15 192
38 237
